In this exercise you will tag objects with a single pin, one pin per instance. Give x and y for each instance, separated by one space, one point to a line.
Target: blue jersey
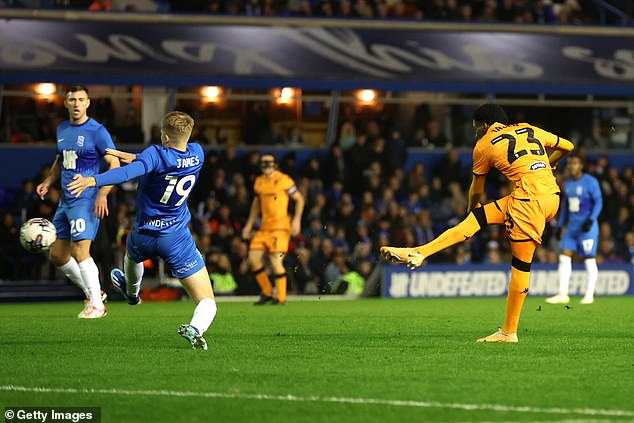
168 176
582 201
80 148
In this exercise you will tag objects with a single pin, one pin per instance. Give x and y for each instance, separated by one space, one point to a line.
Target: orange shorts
275 241
525 219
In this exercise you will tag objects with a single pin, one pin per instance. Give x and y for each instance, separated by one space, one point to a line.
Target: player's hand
246 232
42 189
296 228
80 184
101 206
124 156
587 225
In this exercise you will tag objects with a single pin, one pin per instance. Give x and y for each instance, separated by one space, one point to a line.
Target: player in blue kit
581 205
168 174
81 143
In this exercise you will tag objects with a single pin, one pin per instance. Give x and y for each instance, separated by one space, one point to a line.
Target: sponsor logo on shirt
538 165
158 223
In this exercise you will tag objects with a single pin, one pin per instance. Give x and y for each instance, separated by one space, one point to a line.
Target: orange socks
263 281
265 284
518 290
459 233
280 287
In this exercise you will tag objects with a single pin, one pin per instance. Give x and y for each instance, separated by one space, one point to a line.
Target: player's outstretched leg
403 255
464 230
121 285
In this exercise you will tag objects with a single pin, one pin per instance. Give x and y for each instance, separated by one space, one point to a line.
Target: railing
605 10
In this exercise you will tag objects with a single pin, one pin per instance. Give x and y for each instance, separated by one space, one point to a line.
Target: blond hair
178 125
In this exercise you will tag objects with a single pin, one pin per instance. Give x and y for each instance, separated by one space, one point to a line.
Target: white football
37 235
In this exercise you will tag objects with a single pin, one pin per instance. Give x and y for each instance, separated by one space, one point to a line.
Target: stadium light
366 96
211 93
45 89
286 95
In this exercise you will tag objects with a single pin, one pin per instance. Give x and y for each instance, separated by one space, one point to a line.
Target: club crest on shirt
579 189
80 141
538 165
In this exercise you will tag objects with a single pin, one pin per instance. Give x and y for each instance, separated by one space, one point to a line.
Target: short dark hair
75 88
269 154
490 113
577 156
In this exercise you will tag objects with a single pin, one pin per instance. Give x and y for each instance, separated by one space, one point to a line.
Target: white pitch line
341 400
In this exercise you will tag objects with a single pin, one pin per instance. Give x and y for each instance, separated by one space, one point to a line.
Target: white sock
593 275
565 270
90 275
204 314
72 272
133 275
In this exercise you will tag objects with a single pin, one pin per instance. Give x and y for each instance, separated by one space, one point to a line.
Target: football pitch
325 361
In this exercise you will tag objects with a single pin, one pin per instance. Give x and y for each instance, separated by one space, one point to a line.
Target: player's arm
296 221
111 177
124 156
481 166
253 214
53 175
113 163
475 191
561 146
101 202
597 200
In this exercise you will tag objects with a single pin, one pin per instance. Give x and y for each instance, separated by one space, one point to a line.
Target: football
37 235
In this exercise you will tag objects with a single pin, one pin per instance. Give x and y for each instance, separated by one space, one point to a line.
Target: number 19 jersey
518 151
169 177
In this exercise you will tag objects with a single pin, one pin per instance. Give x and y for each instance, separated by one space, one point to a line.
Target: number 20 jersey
80 148
518 151
164 189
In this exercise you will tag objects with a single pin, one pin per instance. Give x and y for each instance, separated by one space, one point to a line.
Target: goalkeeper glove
587 225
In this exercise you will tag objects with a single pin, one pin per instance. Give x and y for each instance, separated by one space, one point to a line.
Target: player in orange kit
273 189
519 152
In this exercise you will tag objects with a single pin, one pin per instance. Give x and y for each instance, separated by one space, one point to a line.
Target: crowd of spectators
576 12
358 196
511 11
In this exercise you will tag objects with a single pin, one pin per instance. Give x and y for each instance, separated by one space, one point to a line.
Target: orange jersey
519 152
273 194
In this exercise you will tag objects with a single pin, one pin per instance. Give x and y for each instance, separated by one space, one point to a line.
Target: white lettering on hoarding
491 283
621 67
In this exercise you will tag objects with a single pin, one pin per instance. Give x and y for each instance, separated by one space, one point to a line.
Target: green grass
321 351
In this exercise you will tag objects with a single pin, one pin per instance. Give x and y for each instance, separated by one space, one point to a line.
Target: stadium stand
366 189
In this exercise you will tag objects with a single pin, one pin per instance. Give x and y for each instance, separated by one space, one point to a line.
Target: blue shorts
178 249
582 243
76 222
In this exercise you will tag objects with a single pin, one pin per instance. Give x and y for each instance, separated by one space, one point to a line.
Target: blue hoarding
433 281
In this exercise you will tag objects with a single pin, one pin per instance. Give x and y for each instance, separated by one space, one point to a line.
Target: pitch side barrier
435 281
